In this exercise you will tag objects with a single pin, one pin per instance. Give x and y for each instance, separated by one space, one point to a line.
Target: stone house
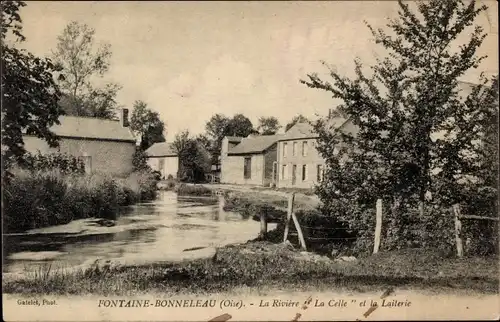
163 157
299 164
249 160
106 146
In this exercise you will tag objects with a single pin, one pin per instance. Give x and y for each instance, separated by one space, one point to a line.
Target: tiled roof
162 149
92 128
255 144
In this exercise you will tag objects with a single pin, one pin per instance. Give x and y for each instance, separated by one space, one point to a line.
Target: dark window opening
247 168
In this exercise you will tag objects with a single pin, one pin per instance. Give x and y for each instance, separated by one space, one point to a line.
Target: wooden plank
263 224
478 217
288 215
458 231
222 203
378 226
299 231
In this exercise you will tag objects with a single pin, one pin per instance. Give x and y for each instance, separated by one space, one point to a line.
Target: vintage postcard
250 161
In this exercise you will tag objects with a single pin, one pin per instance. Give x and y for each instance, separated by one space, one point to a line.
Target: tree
146 124
216 129
411 98
204 141
220 126
81 62
268 125
194 159
29 92
240 125
296 119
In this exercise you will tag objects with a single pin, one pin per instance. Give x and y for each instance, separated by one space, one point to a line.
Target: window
284 171
294 149
285 148
319 176
304 172
304 148
247 168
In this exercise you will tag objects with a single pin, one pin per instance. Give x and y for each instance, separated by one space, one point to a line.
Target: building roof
306 131
254 144
162 149
299 131
234 138
92 128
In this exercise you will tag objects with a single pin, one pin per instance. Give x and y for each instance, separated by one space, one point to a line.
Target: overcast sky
190 60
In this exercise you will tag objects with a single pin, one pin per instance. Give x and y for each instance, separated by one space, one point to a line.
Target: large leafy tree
268 125
194 158
220 126
147 125
29 92
416 134
240 125
82 61
216 129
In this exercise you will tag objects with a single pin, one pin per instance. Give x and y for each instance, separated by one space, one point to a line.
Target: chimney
124 117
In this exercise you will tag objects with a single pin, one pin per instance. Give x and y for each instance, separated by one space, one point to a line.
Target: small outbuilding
163 157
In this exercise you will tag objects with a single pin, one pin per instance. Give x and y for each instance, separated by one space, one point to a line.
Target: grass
168 185
34 199
260 264
193 190
305 191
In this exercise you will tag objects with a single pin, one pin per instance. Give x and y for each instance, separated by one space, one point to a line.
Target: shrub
195 190
139 161
63 162
34 199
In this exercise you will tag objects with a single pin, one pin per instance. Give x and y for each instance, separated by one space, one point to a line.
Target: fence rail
292 217
458 227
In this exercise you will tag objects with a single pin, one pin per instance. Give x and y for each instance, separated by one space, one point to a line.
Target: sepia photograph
250 160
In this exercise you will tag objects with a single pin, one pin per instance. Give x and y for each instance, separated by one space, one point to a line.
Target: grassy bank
184 189
34 199
266 265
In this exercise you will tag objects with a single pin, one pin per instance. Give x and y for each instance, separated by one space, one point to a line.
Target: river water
171 228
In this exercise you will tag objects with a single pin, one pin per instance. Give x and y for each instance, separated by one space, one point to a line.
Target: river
171 228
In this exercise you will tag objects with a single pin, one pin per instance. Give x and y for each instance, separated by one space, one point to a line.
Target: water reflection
146 233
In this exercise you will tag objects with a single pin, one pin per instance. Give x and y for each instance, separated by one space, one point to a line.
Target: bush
34 199
139 161
157 175
63 162
195 190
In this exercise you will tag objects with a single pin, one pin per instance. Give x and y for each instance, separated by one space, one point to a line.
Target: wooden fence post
222 203
378 226
263 223
299 231
458 231
289 212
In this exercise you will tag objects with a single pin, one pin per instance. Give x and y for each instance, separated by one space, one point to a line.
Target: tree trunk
421 205
391 227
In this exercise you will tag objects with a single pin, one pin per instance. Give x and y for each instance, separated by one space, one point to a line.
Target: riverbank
259 264
41 198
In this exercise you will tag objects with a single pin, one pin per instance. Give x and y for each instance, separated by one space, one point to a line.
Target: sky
190 60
